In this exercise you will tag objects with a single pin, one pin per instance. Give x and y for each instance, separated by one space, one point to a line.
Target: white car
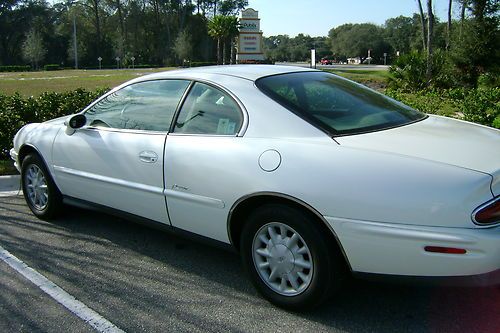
311 177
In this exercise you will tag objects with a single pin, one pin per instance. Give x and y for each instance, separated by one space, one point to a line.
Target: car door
116 159
199 154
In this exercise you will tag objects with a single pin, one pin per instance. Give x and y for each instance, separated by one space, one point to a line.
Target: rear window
336 105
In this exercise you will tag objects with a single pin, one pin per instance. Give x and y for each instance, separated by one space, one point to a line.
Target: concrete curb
10 185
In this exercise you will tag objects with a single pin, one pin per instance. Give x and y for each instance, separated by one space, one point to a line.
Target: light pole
75 43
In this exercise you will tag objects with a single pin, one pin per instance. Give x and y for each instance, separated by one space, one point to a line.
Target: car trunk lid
439 139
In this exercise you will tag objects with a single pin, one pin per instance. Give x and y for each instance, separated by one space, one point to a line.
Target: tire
40 191
286 240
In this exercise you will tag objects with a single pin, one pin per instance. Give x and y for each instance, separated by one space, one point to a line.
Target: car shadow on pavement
152 280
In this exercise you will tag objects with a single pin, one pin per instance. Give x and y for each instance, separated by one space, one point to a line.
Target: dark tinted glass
337 105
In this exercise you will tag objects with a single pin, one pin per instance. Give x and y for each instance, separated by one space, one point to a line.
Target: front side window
336 105
208 110
148 105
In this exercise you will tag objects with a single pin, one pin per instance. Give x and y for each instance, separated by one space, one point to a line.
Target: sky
317 17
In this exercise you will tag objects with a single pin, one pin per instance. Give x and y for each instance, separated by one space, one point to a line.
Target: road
143 280
338 67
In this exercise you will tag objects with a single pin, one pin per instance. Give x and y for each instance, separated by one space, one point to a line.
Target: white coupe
311 177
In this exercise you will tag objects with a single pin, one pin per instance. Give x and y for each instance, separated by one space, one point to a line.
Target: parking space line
85 313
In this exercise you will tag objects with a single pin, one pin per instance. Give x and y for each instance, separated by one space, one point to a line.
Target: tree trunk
232 52
422 22
97 23
448 30
462 17
218 51
430 30
122 27
224 47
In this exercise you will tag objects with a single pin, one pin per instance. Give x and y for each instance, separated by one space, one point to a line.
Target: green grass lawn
373 79
35 83
7 168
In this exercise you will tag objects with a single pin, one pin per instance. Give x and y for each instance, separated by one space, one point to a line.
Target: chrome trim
485 225
291 198
404 231
121 130
110 180
199 199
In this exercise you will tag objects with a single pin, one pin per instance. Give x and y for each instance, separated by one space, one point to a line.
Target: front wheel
40 191
288 258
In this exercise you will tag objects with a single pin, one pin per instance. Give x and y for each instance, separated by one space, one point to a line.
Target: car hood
439 139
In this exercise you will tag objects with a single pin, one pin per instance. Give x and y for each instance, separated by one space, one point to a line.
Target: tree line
152 32
467 45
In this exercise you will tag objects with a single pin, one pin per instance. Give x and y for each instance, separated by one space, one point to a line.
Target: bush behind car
477 105
17 111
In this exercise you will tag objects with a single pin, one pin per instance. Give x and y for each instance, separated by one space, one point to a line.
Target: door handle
148 156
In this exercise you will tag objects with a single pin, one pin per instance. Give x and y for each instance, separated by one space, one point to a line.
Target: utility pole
75 43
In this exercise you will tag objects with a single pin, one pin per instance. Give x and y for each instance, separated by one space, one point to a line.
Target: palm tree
223 28
233 30
216 29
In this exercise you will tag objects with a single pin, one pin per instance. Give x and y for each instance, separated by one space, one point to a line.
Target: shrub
409 72
481 106
17 111
15 68
52 67
201 63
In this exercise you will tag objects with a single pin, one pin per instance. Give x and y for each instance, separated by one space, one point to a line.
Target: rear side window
208 110
336 105
148 105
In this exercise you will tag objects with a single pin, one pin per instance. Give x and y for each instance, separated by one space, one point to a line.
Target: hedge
17 111
52 67
480 105
15 68
476 105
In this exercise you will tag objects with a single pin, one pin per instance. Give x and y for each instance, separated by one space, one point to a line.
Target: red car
326 61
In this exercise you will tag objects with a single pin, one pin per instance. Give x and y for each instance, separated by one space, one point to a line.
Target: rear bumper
399 250
481 280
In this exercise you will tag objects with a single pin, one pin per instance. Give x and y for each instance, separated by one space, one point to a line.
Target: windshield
336 105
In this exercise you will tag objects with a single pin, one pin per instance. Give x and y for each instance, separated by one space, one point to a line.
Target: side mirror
75 122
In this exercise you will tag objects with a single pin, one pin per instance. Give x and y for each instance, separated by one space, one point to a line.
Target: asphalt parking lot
143 280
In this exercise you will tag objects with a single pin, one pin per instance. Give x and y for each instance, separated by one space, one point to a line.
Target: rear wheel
288 258
40 191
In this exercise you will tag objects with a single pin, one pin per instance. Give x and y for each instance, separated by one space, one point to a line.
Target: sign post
250 37
100 60
117 62
133 59
313 58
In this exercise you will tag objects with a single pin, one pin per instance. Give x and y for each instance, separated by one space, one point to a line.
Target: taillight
488 214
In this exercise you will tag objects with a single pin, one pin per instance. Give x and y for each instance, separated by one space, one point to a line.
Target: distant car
326 61
311 177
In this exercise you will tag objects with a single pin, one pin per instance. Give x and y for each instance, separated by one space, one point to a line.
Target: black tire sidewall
320 286
54 196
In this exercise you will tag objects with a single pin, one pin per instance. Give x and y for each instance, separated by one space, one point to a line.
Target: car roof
248 72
